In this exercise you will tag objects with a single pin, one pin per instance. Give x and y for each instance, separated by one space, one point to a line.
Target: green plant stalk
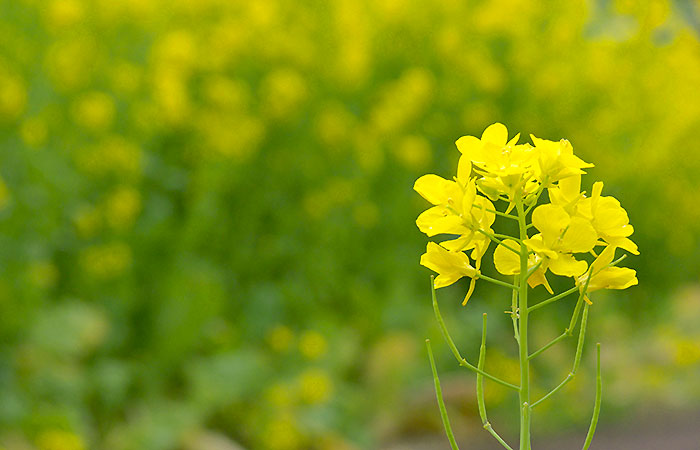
514 309
598 397
553 299
481 276
440 400
577 358
568 331
450 343
524 393
480 389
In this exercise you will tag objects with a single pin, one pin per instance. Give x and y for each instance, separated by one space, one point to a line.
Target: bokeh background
207 234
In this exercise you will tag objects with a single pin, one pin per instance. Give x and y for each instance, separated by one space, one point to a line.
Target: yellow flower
451 204
458 210
450 266
505 166
604 276
507 262
556 161
560 235
609 219
567 193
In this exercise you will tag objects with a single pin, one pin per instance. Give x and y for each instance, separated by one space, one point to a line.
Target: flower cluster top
495 168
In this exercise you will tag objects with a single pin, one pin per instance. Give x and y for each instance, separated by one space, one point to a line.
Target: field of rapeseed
207 223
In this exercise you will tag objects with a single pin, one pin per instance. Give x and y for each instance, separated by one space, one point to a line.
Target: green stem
450 343
441 402
498 241
514 309
498 213
480 389
534 203
561 337
577 359
598 397
524 393
495 281
533 269
567 332
554 299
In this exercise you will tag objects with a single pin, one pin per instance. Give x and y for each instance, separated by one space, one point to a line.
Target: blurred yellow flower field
206 209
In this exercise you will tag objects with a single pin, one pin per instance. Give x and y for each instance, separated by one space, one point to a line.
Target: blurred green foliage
206 215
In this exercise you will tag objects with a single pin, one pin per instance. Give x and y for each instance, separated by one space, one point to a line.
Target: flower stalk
567 231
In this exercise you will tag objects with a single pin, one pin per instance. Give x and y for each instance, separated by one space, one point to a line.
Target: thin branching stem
524 393
498 241
440 400
577 359
553 299
495 281
453 347
514 310
498 213
559 338
569 331
480 389
598 398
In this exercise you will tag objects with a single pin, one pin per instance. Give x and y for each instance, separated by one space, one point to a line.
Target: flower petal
550 220
496 134
433 188
579 237
567 266
506 261
439 220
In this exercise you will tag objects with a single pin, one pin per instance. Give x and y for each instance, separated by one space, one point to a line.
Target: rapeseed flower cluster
496 168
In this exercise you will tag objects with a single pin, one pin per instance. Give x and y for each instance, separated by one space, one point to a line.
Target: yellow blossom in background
175 131
70 62
63 13
59 440
413 152
13 95
283 92
113 155
280 338
94 111
279 395
315 386
282 433
44 274
4 194
107 261
87 221
34 132
122 206
312 345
